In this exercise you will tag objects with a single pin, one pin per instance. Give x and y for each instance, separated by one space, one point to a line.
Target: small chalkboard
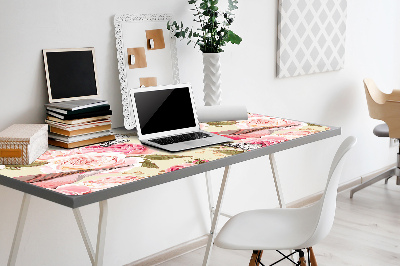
70 74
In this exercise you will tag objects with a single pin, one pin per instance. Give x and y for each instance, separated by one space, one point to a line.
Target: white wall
146 222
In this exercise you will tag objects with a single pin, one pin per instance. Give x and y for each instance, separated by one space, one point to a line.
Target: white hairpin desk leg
85 236
210 195
277 181
215 217
101 233
19 230
95 258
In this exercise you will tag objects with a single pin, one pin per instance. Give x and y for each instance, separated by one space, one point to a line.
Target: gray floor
366 232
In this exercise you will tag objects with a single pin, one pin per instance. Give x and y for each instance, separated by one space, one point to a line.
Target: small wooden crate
21 144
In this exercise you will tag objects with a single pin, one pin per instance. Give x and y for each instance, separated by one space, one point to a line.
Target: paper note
139 56
155 39
148 82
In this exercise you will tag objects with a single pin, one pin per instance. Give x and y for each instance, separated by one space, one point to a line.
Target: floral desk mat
92 168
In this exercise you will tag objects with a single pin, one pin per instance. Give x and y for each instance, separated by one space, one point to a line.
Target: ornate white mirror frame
130 32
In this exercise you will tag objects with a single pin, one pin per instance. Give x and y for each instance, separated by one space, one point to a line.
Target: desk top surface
90 174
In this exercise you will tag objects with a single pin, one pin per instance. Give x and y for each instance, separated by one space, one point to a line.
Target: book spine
80 116
79 131
79 111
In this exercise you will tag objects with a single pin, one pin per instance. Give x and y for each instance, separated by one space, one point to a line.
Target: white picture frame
163 63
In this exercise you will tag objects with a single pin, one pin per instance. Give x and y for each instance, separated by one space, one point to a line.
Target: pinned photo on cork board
157 59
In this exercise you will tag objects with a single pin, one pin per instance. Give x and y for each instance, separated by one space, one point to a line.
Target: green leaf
214 8
149 164
221 123
230 152
233 38
163 157
204 5
17 167
232 5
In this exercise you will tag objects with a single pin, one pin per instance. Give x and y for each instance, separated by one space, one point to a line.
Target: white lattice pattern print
311 36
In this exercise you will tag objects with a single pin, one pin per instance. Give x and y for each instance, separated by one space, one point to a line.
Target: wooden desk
113 169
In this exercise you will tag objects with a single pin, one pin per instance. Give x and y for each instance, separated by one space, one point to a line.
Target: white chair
287 229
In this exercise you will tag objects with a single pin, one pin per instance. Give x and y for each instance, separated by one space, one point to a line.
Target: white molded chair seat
269 229
274 229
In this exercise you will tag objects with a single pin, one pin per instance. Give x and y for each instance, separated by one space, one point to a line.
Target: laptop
166 118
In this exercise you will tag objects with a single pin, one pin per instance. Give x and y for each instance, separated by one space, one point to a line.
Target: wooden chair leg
313 260
255 258
302 259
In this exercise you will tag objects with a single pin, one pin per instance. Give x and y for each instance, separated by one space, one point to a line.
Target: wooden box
21 144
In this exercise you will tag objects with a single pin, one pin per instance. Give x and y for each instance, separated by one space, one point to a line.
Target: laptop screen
164 110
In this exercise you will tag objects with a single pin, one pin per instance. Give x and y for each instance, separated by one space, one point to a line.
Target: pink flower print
73 189
179 166
266 140
87 161
257 134
107 182
125 148
234 137
52 154
265 121
58 181
203 126
295 133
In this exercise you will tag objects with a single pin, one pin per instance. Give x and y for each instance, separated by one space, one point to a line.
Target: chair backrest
327 203
382 106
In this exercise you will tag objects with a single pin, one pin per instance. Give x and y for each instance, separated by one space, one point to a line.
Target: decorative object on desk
83 130
130 31
212 35
221 113
311 36
75 114
70 74
21 144
79 127
136 57
212 79
111 164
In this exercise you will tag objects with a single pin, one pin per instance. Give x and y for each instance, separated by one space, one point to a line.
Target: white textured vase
212 75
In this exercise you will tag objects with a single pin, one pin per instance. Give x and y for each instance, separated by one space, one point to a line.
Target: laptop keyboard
180 138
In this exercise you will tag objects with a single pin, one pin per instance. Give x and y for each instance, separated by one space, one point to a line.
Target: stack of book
78 123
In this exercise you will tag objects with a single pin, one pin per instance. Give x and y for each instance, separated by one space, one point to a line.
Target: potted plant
212 35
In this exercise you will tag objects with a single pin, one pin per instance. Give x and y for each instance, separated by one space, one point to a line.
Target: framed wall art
311 36
146 53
